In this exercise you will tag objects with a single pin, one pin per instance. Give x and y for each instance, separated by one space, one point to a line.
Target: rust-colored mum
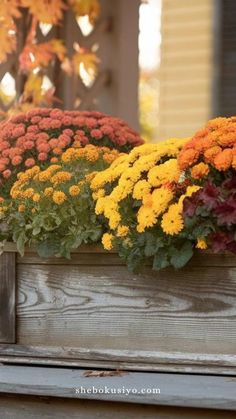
200 170
41 135
214 146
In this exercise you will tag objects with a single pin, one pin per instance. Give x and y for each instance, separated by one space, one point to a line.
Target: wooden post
7 297
115 89
119 54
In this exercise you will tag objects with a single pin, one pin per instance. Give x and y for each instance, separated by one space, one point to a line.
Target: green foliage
153 247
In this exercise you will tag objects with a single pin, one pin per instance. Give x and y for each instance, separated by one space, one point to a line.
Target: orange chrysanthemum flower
211 147
200 170
223 160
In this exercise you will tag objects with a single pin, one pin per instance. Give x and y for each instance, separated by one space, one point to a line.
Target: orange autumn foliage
36 57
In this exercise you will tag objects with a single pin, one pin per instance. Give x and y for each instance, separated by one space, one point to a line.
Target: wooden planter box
90 311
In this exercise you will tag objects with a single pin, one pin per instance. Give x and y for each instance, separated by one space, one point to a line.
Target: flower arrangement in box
209 160
52 209
141 196
158 201
40 136
165 200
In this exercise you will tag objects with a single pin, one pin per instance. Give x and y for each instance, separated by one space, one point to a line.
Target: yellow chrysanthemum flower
166 172
172 221
98 194
107 240
100 205
28 193
74 190
201 244
161 197
59 197
44 176
21 208
36 197
48 191
122 231
141 188
114 220
146 218
61 177
15 194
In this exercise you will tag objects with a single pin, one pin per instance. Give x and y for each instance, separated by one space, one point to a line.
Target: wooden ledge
101 256
212 392
92 248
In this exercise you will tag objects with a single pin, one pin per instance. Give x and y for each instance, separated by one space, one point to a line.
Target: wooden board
145 388
90 311
106 307
7 297
30 407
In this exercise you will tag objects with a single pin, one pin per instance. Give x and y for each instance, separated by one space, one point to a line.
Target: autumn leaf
46 11
86 7
88 59
58 48
33 88
34 92
9 10
41 55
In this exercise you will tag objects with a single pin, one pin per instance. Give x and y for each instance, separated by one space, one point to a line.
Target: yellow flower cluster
91 153
148 175
57 183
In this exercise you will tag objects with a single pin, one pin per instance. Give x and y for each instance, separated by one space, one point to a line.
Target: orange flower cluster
40 136
211 147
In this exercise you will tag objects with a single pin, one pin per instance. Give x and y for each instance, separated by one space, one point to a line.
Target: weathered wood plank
7 297
137 357
109 363
30 407
105 258
93 248
84 306
95 258
110 258
147 388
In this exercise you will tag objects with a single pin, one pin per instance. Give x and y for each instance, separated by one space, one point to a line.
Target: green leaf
20 243
153 244
47 249
160 260
134 260
36 231
179 257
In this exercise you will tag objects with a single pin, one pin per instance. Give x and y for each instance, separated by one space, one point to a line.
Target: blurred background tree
31 33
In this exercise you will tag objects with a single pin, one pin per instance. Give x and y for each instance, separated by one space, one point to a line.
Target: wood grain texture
146 359
81 255
31 407
7 297
106 306
91 310
146 388
120 361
